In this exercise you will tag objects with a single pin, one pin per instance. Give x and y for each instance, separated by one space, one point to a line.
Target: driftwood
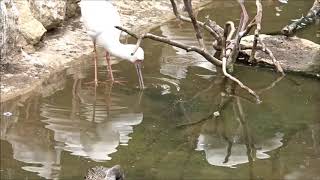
226 40
310 18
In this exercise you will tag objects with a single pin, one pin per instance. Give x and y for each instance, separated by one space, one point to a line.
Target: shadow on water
189 123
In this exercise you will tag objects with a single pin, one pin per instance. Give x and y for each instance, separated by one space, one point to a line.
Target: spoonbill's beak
138 64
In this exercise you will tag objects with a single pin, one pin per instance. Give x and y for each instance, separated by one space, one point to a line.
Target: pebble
216 114
8 114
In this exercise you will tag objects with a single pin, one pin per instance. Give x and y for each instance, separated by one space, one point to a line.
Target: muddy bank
29 69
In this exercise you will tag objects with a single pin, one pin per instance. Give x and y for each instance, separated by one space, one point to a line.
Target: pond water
169 131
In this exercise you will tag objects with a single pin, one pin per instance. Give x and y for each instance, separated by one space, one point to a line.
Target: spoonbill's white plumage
100 18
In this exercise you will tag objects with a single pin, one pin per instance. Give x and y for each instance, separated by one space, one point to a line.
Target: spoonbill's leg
95 63
109 66
110 70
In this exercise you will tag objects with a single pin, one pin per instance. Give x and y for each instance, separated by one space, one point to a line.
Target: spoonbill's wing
100 16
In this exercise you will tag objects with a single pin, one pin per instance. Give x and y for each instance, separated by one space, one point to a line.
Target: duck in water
103 173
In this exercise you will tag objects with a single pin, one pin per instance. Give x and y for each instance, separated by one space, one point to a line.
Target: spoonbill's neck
112 44
123 51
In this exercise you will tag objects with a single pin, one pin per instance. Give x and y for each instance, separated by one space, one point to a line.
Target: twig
188 7
257 22
266 50
258 18
137 45
249 27
235 45
245 15
274 60
213 28
224 70
232 30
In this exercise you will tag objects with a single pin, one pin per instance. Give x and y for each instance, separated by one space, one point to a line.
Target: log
310 18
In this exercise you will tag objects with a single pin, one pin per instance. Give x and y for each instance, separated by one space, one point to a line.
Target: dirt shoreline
68 43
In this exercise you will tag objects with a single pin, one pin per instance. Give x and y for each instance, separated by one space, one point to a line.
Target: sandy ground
31 72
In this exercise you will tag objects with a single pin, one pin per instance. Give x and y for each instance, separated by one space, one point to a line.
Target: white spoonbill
100 18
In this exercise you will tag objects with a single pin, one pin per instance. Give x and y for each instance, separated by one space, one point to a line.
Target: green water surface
168 130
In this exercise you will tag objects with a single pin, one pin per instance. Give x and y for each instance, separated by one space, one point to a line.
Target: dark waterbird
103 173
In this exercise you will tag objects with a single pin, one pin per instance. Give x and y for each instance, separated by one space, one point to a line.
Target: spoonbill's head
137 56
137 59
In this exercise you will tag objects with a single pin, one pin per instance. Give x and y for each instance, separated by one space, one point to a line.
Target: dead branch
213 28
262 47
249 27
245 17
188 7
257 22
224 70
228 39
274 60
226 52
257 18
235 45
188 48
301 23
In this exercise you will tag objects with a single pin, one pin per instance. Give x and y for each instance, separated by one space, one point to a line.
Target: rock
31 29
51 13
8 29
24 22
294 54
67 44
72 9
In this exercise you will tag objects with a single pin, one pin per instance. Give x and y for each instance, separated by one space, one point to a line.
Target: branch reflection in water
176 66
225 143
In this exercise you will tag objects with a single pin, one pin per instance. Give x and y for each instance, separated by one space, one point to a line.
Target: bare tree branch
245 16
188 48
228 39
213 28
224 70
266 50
257 18
188 7
274 60
235 45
